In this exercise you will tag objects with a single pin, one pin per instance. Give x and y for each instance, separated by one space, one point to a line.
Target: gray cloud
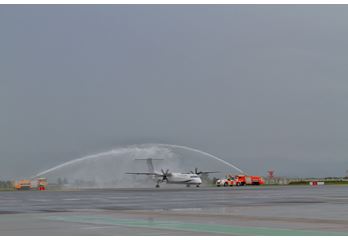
260 86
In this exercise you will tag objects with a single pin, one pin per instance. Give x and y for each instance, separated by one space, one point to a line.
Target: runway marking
121 197
192 227
39 200
89 228
71 199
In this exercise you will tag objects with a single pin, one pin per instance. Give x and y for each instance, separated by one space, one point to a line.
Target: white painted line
119 197
39 200
97 227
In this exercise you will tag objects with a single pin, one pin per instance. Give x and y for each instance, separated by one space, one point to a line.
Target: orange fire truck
23 184
240 180
26 184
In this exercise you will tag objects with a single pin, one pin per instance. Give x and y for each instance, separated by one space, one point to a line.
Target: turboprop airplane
189 179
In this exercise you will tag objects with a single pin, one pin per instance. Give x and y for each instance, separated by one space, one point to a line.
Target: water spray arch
107 169
202 152
118 150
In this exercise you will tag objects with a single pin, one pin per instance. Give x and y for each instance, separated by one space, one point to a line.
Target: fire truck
34 184
23 184
41 184
240 180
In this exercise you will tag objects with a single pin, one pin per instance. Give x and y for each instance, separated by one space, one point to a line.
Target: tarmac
250 210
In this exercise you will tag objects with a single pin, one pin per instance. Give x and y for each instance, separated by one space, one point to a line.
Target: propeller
196 171
165 174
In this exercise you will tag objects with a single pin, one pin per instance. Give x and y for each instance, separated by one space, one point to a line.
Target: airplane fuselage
184 178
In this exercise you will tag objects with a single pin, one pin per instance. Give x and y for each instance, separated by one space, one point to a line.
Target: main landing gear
189 185
158 182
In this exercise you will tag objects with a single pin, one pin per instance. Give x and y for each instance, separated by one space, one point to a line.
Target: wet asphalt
251 210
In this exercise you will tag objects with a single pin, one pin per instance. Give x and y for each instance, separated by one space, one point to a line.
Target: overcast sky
263 87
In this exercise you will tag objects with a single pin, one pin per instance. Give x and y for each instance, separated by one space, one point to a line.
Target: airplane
191 178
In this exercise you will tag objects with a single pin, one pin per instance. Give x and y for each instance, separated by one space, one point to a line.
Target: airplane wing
209 172
143 173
